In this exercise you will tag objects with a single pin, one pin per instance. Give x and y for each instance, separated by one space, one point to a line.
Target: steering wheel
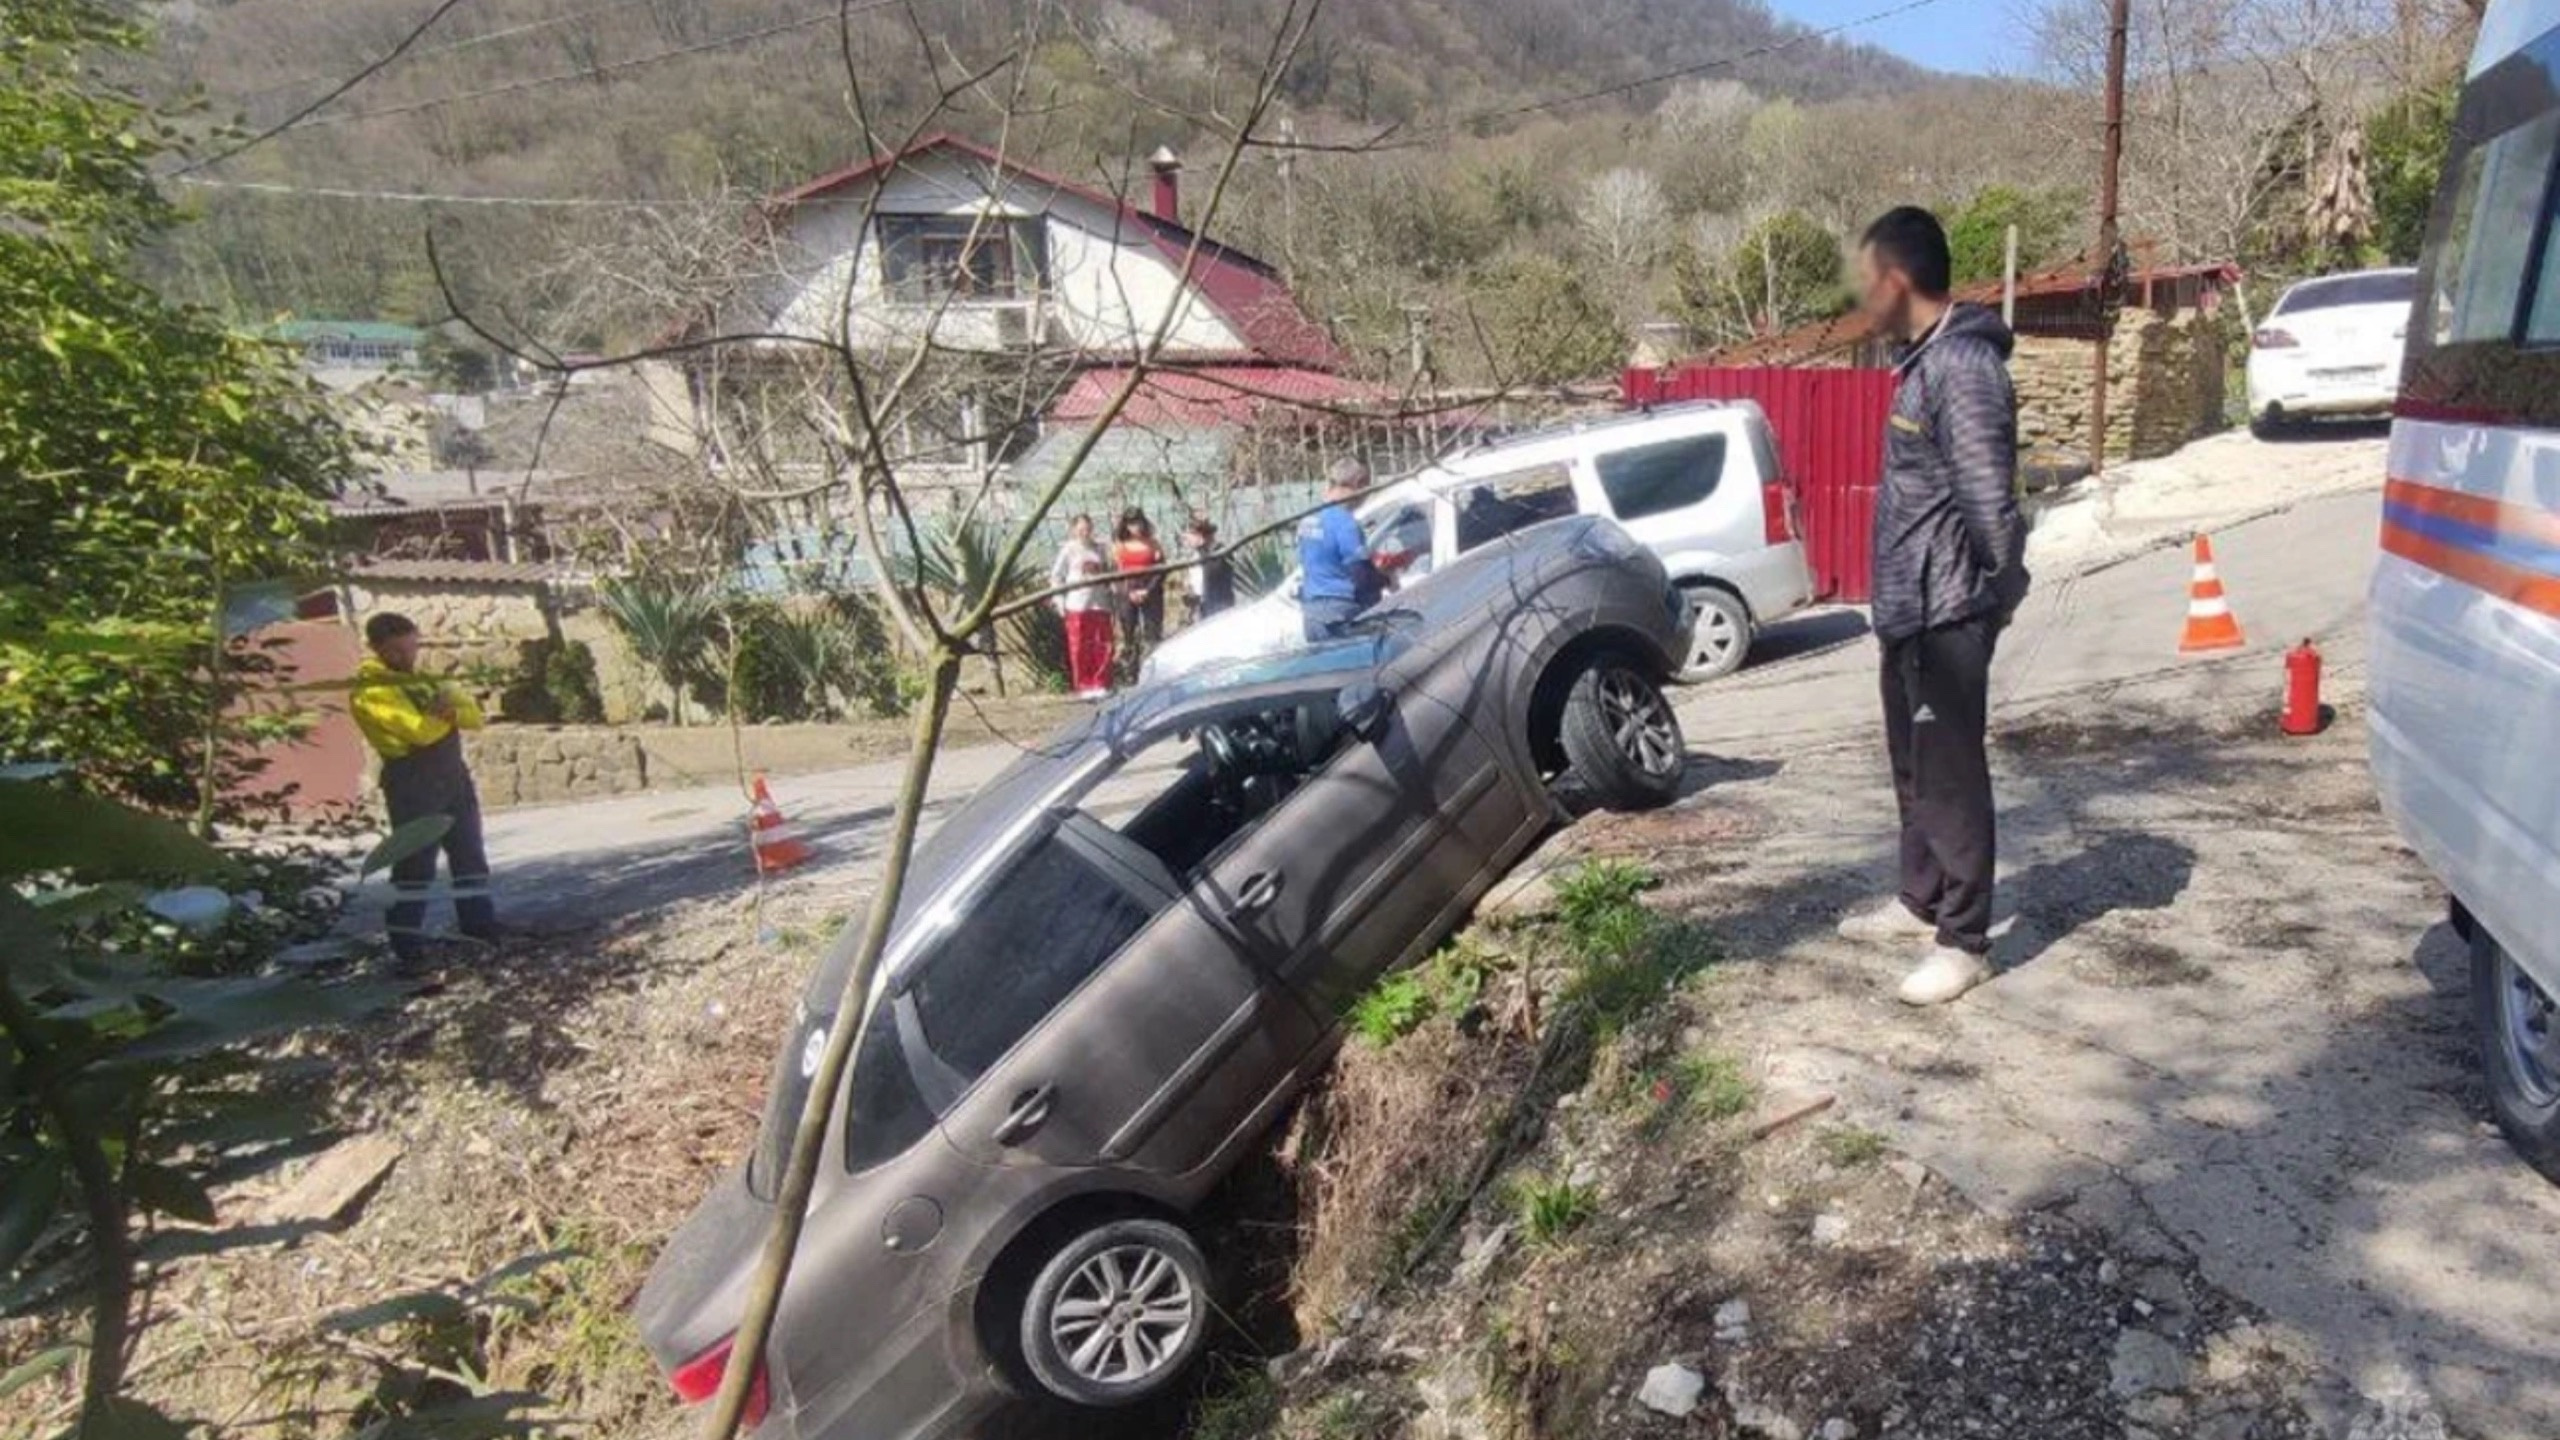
1220 746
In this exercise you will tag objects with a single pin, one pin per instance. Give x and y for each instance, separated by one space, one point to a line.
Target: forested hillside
1516 172
679 99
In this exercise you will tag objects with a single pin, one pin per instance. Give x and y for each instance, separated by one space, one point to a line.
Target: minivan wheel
1116 1314
2519 1028
1622 738
1722 639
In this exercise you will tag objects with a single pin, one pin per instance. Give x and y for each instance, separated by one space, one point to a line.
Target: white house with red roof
997 255
1039 291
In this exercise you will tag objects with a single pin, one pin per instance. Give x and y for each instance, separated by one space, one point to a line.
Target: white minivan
2466 595
1699 483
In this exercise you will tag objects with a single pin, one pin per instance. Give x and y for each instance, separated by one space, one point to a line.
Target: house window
926 258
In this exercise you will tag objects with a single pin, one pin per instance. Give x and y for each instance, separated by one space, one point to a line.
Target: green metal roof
379 331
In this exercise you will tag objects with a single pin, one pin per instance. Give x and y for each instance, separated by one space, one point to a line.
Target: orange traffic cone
778 845
2210 623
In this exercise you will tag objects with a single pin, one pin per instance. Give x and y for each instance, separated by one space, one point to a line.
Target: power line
422 197
595 72
466 43
367 71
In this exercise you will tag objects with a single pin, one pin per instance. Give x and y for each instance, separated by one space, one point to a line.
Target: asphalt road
2300 573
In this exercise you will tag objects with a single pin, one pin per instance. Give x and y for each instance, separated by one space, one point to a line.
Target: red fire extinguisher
2302 690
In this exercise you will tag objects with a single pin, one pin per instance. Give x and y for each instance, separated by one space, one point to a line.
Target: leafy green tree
2048 224
150 457
1785 271
1543 323
2405 148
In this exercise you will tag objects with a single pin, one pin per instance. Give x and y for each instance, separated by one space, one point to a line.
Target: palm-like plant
959 564
817 651
668 623
1261 565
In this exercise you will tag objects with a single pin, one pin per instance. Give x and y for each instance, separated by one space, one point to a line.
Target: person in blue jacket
1338 579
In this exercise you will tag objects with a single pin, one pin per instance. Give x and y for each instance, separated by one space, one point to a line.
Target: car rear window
1658 479
1023 945
2396 288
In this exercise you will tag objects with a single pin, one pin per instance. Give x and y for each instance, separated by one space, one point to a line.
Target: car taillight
698 1379
2271 338
1778 512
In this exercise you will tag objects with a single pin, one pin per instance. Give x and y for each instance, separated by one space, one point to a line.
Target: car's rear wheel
2518 1023
1622 738
1722 638
1117 1313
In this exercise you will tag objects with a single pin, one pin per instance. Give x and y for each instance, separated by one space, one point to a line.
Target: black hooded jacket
1950 544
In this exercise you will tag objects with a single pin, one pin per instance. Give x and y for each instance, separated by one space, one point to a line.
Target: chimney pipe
1168 168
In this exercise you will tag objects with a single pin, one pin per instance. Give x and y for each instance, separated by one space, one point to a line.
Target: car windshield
2385 287
1342 661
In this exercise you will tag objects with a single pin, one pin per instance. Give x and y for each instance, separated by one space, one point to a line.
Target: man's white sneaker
1945 975
1888 924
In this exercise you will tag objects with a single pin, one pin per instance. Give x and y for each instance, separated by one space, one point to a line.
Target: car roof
1067 761
1567 441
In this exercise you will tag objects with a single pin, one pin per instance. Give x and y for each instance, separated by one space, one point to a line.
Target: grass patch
1245 1407
1628 957
1716 1086
1394 1008
1551 1209
1595 899
1850 1146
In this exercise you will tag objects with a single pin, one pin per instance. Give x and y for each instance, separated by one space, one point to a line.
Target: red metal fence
1830 427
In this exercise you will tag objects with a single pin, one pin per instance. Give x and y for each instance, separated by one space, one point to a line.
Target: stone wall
475 628
2165 377
538 765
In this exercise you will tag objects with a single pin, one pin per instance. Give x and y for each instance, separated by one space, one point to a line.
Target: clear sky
1978 36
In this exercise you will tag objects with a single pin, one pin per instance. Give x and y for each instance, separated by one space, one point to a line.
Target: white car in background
2331 346
1699 484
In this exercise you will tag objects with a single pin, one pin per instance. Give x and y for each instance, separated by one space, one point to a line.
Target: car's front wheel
1622 738
1721 640
2518 1023
1117 1313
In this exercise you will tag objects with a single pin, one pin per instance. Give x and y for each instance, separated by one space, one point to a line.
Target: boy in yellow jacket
415 723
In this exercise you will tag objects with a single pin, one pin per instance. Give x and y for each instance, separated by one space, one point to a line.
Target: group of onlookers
1115 612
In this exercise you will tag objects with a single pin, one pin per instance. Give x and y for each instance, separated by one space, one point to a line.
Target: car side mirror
1366 712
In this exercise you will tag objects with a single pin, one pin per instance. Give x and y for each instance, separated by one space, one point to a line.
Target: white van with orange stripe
2466 594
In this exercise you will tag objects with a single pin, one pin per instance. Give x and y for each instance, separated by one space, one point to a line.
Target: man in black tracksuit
1949 572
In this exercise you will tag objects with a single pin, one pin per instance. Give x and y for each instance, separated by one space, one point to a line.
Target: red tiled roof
1247 293
1213 394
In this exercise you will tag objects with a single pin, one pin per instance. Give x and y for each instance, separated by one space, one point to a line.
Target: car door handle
1030 1111
1258 893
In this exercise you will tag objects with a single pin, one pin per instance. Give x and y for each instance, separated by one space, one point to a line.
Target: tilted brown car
1120 961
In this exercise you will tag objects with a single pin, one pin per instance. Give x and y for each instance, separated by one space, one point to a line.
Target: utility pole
2009 280
2110 176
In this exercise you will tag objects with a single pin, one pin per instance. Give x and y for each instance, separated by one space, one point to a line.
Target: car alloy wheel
1639 721
1712 644
2529 1027
1720 638
1116 1314
1124 1315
